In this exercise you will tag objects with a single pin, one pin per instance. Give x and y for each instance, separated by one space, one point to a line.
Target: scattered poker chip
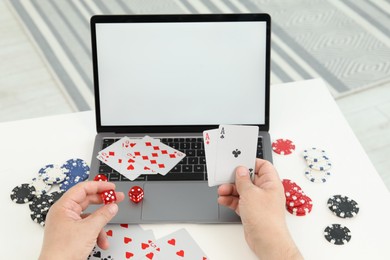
283 146
22 193
69 183
290 186
77 168
53 174
343 207
38 217
337 234
41 203
315 154
323 165
54 196
41 187
297 202
317 176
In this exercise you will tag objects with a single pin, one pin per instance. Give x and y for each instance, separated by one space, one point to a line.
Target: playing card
236 146
128 241
179 245
210 138
115 156
154 154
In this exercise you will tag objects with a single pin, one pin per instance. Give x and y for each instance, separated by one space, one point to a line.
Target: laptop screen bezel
172 19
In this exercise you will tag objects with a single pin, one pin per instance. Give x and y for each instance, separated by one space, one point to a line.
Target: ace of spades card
236 146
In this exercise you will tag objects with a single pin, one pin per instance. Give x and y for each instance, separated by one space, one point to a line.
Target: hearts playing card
210 138
179 245
155 155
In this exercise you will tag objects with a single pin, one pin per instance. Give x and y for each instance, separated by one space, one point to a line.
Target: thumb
102 216
243 180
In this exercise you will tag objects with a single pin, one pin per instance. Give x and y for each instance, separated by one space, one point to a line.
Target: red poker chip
302 210
299 201
290 187
283 146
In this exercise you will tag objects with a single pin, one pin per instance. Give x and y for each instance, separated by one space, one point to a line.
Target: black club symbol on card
236 153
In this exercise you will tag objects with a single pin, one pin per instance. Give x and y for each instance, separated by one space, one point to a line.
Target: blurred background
45 57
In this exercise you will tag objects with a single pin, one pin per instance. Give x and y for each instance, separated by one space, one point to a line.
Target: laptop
171 77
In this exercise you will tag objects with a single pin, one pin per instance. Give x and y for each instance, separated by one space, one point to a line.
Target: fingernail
113 208
242 171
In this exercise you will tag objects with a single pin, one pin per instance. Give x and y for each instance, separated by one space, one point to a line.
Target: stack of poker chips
297 202
319 165
37 192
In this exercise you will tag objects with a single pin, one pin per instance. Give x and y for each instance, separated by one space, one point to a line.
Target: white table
303 111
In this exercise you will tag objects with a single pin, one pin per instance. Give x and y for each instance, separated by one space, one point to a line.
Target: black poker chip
337 234
41 203
22 193
343 207
55 196
38 217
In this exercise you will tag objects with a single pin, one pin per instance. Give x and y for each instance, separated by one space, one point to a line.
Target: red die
136 194
108 196
100 177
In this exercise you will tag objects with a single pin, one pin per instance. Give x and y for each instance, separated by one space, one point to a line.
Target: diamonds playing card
229 146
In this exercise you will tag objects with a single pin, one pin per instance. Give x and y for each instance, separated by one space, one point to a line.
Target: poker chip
38 217
77 168
283 146
53 174
297 202
41 187
54 196
317 176
323 165
343 207
22 193
78 171
315 154
40 203
337 234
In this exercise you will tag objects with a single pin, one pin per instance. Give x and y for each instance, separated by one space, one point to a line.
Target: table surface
304 112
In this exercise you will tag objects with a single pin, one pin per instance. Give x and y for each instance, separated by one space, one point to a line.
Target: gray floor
28 89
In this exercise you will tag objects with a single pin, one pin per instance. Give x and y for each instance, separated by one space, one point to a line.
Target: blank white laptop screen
190 73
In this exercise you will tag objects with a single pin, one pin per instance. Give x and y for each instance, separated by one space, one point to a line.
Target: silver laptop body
172 77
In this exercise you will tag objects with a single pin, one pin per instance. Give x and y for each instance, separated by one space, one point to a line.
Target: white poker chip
323 165
317 176
315 155
40 186
53 174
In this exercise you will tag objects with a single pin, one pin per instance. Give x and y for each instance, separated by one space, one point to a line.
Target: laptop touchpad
179 201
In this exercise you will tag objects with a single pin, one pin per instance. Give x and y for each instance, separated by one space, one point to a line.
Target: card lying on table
226 148
133 242
133 157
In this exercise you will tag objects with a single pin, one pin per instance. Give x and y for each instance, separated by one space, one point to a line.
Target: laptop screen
181 73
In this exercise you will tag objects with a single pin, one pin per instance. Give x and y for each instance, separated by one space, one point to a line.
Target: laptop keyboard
191 168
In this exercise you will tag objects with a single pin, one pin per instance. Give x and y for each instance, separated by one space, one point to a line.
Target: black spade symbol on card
236 153
97 254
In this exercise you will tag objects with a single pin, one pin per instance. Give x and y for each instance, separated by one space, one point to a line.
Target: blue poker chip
78 169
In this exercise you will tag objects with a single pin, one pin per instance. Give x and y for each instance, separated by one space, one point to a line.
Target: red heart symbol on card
143 245
109 233
129 254
130 167
150 255
131 161
180 253
132 144
172 241
124 225
127 240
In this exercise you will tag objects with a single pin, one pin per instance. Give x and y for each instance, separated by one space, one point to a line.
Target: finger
102 240
243 181
228 201
265 172
98 219
96 199
79 192
227 189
